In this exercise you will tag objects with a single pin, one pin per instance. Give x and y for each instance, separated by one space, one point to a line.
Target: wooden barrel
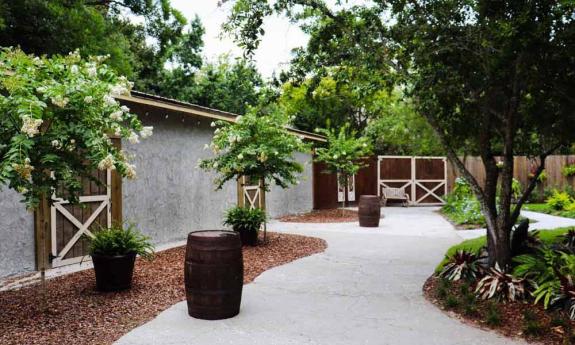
214 274
369 211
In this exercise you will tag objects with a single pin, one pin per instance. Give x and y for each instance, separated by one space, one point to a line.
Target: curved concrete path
543 222
364 289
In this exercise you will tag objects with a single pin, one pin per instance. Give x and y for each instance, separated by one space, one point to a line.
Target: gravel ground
77 314
322 216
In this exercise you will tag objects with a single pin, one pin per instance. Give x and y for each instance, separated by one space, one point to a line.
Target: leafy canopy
491 77
258 146
58 116
344 152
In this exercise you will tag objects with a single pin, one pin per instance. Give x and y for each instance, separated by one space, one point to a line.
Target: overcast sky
274 51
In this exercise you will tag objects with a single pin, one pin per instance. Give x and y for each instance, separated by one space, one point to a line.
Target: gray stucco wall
16 235
295 199
172 196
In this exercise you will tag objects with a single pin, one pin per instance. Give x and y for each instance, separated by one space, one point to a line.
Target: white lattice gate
423 178
70 224
251 193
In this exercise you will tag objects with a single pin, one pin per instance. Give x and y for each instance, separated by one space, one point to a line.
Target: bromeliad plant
500 285
344 153
58 116
462 265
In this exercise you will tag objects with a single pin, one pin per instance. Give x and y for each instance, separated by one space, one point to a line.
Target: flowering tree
58 116
344 153
258 146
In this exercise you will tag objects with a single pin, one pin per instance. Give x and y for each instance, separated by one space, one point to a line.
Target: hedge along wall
522 166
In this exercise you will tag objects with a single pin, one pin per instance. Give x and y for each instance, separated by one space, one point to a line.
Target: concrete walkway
543 222
365 289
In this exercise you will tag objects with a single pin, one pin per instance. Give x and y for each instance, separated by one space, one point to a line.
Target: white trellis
58 206
432 188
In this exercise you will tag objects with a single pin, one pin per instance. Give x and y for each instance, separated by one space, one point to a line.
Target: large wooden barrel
369 211
214 274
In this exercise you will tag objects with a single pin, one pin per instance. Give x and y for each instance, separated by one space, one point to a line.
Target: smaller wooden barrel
369 211
214 274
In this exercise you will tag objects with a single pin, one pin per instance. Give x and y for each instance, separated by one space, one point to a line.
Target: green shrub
451 302
461 206
532 326
493 315
244 218
568 170
559 200
118 240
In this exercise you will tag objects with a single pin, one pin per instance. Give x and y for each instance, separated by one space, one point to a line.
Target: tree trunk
345 186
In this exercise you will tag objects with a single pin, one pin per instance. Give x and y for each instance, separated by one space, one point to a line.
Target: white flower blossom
335 156
125 109
263 157
133 138
56 144
119 90
92 70
88 99
30 126
146 132
215 165
42 89
131 171
60 101
110 101
240 156
117 115
107 163
24 170
74 69
213 124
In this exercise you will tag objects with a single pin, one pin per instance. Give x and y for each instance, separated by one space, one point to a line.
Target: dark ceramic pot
249 237
114 273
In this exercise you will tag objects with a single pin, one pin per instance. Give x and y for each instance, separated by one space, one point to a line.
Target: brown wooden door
71 225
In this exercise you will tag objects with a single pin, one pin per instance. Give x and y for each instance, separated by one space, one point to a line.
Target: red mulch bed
77 314
552 327
323 216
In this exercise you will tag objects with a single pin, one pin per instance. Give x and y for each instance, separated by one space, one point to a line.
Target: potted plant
246 222
113 252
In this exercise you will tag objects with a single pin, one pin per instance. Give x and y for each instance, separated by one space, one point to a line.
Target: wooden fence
522 167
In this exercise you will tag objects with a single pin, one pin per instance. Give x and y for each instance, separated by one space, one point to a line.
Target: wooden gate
423 178
72 224
251 193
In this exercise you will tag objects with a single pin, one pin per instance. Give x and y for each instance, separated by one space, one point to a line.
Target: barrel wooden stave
213 274
369 211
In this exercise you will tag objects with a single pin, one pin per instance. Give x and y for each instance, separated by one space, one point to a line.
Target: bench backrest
394 193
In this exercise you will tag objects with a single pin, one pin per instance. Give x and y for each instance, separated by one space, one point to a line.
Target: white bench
394 194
